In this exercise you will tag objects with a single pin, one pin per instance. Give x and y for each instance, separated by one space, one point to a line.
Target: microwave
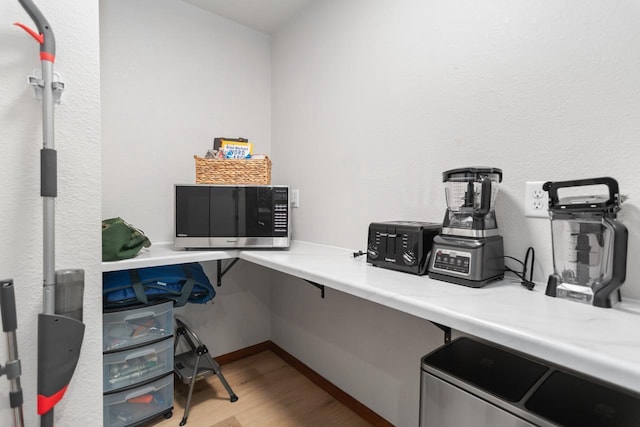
232 216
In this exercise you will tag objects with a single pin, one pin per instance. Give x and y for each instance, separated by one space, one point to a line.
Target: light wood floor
270 393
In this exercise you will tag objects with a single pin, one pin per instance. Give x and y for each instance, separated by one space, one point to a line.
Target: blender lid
589 196
472 172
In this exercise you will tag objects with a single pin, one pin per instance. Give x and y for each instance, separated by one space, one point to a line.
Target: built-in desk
165 254
604 343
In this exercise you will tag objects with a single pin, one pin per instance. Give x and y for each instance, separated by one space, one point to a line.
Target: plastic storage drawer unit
134 406
135 366
128 328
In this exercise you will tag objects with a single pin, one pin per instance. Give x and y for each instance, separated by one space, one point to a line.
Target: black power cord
527 283
357 254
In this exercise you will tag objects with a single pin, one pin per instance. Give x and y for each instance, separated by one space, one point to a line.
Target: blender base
581 294
465 282
467 261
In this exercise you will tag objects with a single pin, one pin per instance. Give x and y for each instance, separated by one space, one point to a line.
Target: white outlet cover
536 200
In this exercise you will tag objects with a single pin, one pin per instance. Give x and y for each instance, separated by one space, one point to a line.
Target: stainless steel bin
468 383
572 400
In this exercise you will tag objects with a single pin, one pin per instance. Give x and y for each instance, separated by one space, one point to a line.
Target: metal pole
14 384
49 270
48 162
12 368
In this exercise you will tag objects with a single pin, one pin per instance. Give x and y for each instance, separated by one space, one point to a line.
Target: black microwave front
232 216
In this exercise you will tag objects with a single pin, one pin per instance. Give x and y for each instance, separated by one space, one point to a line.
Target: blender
469 251
589 245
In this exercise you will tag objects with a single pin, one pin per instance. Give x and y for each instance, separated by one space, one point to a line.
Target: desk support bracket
317 285
445 329
222 272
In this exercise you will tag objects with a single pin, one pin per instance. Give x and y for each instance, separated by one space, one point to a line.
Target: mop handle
48 190
12 368
48 162
45 33
8 306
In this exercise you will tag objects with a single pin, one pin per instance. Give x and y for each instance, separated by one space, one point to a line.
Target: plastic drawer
128 367
128 328
132 406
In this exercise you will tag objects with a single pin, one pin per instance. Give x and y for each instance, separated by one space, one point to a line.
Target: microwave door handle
236 225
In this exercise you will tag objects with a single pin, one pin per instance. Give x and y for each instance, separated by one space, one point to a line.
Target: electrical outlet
536 200
295 198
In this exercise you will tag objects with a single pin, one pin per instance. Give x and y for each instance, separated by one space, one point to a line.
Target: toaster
401 245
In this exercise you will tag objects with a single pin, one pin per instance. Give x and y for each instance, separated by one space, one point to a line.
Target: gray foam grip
8 306
48 172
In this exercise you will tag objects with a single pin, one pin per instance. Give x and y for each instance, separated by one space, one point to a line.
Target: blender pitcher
589 245
471 197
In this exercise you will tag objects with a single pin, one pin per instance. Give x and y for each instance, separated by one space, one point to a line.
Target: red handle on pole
44 35
39 37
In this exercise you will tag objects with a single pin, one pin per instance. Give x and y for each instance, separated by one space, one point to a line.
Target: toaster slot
382 242
391 254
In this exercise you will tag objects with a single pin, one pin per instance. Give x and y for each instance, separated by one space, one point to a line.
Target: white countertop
604 343
165 254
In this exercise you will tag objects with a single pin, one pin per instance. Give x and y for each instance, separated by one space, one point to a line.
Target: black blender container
469 251
589 245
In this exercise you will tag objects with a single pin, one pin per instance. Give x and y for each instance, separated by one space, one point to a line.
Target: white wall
77 132
173 78
370 351
374 99
239 315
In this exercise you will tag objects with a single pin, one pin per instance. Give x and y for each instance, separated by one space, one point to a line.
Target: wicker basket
233 171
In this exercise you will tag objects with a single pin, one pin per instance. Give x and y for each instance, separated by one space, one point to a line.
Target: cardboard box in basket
233 171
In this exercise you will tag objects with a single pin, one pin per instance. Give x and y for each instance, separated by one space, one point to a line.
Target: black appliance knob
372 252
409 258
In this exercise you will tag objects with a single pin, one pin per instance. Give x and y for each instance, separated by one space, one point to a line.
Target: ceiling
262 15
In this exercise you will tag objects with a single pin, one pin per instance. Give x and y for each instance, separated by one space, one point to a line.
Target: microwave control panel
280 211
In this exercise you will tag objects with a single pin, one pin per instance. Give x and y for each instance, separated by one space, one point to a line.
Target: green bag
121 240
